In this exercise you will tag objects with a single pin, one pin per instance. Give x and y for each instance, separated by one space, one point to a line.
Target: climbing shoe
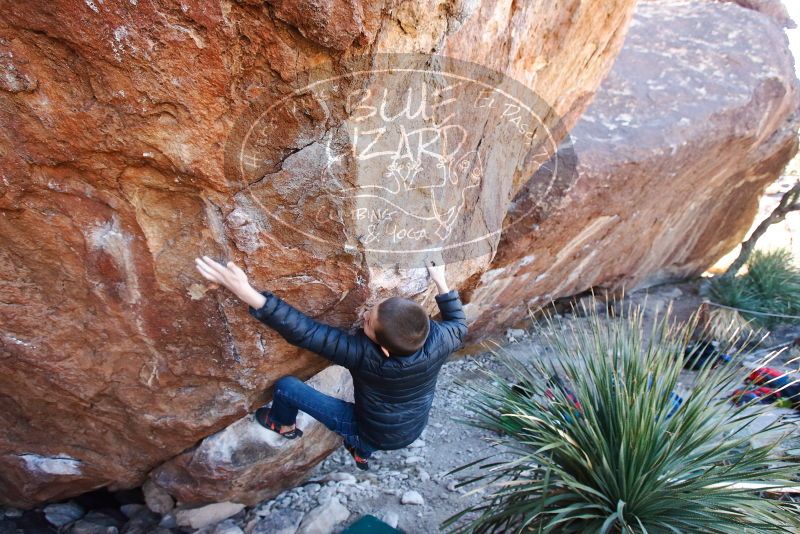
361 463
262 418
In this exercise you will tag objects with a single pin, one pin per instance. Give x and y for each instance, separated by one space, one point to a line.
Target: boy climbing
394 361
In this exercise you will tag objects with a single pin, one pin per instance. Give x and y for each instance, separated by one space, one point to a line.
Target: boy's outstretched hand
231 277
436 272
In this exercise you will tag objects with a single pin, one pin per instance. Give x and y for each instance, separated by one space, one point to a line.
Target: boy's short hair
402 326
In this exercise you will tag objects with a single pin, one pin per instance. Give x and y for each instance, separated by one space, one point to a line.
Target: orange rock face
116 115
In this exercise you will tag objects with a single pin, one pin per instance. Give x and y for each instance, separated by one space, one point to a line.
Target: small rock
325 494
411 460
12 513
451 486
418 443
323 518
673 293
412 497
655 304
341 477
252 523
168 521
390 518
95 523
156 498
206 515
145 522
264 509
60 514
423 475
132 510
513 334
228 526
278 522
87 527
312 488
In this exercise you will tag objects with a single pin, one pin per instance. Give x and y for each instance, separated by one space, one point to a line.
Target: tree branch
788 203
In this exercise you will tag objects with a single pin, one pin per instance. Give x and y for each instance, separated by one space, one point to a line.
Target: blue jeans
292 394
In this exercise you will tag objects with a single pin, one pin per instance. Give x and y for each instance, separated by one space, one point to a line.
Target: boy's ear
376 320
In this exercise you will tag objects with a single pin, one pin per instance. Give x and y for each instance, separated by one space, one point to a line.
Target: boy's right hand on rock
436 272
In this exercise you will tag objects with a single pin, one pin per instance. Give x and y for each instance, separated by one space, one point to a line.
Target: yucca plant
771 286
623 459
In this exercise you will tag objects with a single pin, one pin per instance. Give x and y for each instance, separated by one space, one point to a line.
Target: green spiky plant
771 285
622 462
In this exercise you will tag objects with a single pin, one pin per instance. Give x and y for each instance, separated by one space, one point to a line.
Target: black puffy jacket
393 395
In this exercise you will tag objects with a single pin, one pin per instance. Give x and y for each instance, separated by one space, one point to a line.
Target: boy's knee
286 382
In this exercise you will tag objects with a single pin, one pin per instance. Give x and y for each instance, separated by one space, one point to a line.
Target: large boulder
773 8
116 117
698 116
